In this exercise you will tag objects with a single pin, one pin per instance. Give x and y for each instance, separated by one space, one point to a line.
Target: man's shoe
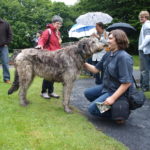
45 95
120 122
54 95
145 89
7 81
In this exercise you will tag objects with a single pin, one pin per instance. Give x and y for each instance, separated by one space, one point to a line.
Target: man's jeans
5 60
144 68
94 95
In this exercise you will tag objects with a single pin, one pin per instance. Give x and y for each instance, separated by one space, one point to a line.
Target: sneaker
145 89
7 81
54 95
45 95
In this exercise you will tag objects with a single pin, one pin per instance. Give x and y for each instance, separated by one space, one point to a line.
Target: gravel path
135 133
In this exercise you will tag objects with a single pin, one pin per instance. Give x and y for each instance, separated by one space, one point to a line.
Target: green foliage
67 14
43 125
136 60
28 16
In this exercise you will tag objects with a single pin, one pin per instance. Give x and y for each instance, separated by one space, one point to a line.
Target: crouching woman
117 68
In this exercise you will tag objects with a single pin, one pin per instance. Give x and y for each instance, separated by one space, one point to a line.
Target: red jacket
49 39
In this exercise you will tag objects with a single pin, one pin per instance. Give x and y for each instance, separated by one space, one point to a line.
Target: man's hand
141 47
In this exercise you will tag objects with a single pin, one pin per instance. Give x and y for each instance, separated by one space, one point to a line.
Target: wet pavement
135 133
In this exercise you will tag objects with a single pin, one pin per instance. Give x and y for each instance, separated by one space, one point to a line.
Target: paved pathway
135 133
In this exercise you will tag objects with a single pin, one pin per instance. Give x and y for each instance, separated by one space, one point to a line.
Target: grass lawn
43 125
136 62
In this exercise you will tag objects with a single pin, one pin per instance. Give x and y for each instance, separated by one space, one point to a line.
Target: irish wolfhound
63 65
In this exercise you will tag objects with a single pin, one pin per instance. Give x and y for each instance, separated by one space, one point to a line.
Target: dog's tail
15 85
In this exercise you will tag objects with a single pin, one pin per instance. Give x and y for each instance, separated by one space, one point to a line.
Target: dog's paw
24 103
68 110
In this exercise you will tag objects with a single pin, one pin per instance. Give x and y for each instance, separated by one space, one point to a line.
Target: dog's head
89 46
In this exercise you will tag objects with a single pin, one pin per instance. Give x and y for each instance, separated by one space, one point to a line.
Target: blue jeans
144 68
94 95
5 60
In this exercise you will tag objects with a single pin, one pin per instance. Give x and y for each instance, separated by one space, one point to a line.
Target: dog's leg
15 85
25 79
67 88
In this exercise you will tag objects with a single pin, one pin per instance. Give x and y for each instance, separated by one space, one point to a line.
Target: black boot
15 85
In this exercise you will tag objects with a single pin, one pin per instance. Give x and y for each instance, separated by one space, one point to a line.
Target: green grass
43 125
147 94
136 62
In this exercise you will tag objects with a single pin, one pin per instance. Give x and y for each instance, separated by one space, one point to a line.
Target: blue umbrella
79 30
127 28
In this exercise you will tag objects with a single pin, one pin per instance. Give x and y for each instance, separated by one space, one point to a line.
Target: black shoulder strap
135 82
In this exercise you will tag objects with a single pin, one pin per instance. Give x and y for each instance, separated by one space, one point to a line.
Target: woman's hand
109 101
121 90
95 35
39 47
91 68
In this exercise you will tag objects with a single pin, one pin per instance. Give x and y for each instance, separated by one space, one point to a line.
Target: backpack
49 31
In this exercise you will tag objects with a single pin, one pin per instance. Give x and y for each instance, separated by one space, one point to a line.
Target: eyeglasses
58 23
141 17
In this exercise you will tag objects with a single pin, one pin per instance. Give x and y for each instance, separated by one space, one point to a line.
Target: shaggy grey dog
63 65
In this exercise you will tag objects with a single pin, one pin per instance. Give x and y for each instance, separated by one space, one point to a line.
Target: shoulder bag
135 97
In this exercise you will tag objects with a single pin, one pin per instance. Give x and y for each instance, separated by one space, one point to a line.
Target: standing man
5 39
50 40
144 49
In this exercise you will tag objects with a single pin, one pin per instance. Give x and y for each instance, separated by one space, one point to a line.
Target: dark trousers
145 69
47 85
97 76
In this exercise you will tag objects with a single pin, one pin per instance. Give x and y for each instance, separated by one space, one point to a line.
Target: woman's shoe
45 95
54 95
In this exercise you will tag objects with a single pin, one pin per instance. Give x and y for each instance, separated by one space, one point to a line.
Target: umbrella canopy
79 30
92 18
127 28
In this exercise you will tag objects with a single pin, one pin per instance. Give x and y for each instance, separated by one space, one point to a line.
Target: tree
28 16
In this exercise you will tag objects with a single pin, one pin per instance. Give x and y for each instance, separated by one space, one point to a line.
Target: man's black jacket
5 33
